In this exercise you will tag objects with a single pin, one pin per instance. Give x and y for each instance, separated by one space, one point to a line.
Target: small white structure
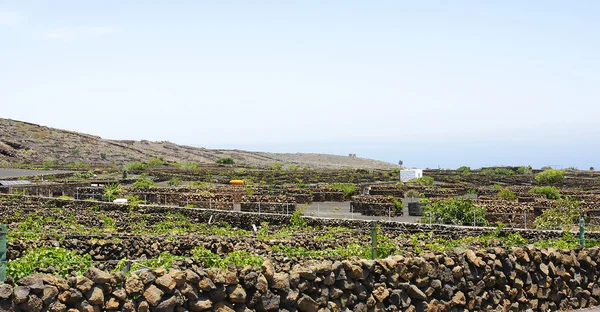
122 201
409 174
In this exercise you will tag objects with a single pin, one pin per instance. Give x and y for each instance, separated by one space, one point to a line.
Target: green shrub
225 161
507 194
174 181
460 211
563 213
63 261
190 165
276 166
496 171
111 191
347 188
525 170
135 166
296 220
155 162
398 205
423 181
550 176
551 192
144 183
464 169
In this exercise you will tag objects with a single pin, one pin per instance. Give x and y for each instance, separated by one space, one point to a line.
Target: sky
433 83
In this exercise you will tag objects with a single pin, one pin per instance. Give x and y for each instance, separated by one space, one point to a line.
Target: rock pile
484 280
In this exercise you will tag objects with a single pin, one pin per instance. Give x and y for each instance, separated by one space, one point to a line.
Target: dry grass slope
22 142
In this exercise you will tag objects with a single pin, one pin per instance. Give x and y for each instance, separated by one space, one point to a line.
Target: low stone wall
278 208
487 280
245 220
374 206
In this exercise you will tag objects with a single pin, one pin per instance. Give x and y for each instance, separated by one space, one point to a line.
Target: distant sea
572 153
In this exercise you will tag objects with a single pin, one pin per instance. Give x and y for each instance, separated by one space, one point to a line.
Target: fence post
581 232
474 218
373 239
3 231
318 209
525 218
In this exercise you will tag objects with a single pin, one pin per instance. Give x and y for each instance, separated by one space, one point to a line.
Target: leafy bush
460 211
155 162
111 191
497 187
276 166
63 261
464 169
496 171
190 165
347 188
135 166
175 181
398 205
225 161
507 194
551 192
423 181
296 220
564 213
550 176
144 183
525 170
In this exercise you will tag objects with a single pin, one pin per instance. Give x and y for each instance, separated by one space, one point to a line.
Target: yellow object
236 182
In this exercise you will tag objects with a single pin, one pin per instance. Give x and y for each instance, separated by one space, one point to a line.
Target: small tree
225 161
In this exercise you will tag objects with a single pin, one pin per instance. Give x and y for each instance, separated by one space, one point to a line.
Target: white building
409 174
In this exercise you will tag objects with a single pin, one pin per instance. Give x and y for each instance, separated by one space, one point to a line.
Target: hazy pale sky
430 82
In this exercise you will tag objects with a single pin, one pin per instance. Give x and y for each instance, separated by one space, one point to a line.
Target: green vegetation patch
63 261
551 192
458 211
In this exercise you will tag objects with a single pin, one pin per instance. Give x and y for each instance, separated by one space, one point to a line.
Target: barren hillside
22 142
